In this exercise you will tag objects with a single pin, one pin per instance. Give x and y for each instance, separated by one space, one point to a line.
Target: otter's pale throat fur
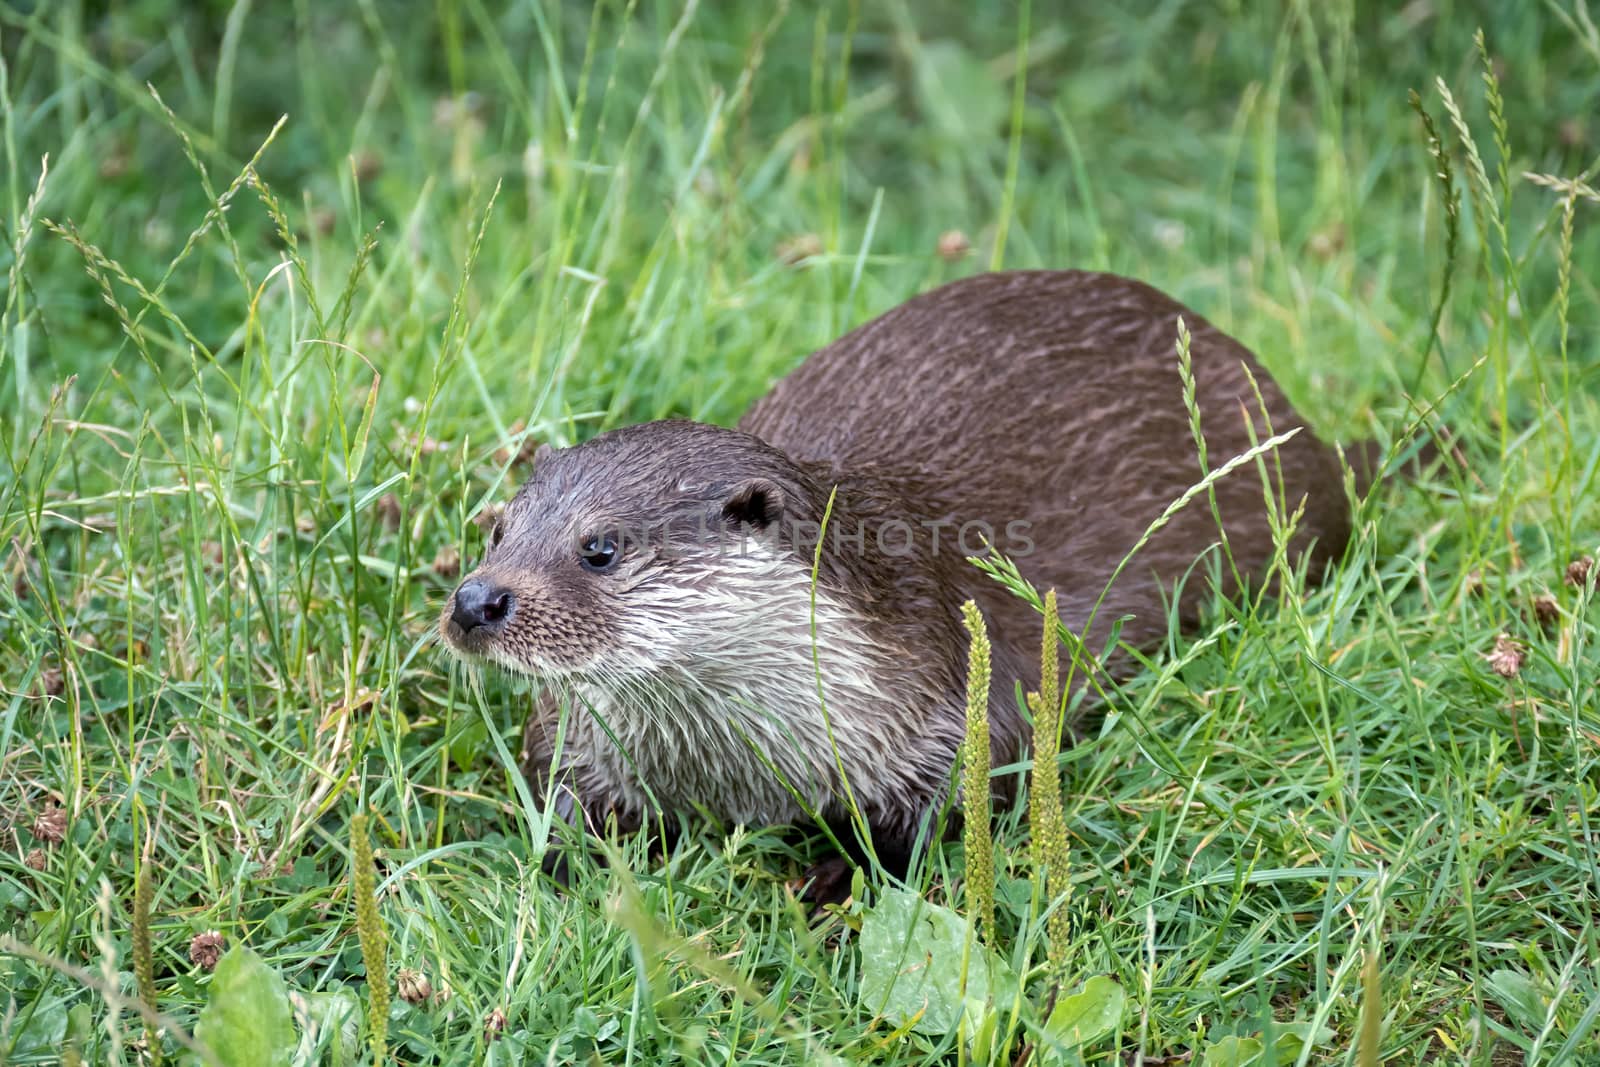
659 577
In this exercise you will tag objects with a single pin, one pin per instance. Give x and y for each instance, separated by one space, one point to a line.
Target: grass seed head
975 763
144 966
370 930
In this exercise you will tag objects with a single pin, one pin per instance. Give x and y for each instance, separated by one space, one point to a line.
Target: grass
257 380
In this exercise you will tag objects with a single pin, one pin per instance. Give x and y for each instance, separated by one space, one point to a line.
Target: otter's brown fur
1044 405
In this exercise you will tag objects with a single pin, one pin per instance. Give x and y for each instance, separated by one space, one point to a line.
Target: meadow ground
257 380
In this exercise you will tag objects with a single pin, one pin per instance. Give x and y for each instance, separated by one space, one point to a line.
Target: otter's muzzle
478 610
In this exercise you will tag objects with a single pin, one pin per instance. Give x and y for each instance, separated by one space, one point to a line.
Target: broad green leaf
467 741
982 1037
335 1019
911 966
1089 1014
1289 1038
80 1024
1234 1052
1520 997
42 1028
1287 1041
247 1021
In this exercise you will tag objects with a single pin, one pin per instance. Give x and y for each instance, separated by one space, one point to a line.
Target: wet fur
1048 398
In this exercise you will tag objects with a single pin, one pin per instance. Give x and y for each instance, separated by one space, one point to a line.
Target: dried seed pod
50 825
1546 609
1507 656
447 563
413 986
953 245
206 949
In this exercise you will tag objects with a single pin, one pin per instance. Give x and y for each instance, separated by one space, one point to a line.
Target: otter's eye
497 534
600 553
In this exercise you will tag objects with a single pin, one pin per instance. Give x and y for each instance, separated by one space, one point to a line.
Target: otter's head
629 553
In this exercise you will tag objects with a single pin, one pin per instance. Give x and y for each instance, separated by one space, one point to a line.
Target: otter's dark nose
481 603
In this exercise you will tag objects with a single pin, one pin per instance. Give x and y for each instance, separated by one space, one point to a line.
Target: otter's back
1055 398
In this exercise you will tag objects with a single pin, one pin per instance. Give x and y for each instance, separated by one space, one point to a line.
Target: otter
764 623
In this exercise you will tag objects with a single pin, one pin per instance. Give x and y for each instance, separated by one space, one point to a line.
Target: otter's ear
757 503
542 453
